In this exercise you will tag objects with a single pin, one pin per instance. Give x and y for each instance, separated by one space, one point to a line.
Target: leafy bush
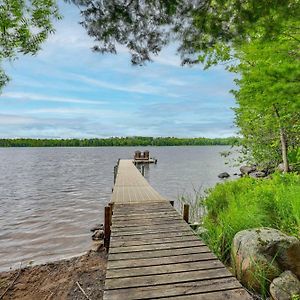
249 203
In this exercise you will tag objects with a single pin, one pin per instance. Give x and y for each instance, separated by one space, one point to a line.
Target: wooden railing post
186 212
107 223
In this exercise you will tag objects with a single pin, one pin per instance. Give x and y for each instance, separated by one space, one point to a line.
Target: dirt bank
58 280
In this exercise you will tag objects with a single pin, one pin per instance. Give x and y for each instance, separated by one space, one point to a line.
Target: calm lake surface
51 197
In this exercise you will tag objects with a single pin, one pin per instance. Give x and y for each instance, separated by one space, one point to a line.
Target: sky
67 91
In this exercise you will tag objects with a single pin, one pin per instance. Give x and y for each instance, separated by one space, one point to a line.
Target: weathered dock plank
156 247
165 269
158 261
154 254
209 289
152 241
160 279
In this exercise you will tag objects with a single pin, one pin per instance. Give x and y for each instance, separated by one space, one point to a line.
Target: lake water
51 197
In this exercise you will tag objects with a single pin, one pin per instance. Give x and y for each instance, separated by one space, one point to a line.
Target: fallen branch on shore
13 282
82 290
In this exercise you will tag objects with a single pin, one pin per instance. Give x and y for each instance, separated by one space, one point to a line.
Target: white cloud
140 88
38 97
104 113
7 119
171 60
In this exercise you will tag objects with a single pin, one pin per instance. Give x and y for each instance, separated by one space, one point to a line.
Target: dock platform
153 252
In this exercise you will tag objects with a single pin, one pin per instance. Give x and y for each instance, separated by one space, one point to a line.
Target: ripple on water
51 197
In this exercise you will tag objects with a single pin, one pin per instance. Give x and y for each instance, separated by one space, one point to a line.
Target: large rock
264 252
245 170
223 175
285 286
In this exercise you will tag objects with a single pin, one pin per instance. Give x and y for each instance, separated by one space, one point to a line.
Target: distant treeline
118 141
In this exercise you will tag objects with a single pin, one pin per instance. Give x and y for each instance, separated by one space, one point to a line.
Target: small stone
201 231
223 175
97 227
257 174
285 287
280 167
100 247
245 170
98 235
195 225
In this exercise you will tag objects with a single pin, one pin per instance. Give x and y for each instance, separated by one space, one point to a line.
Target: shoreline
63 279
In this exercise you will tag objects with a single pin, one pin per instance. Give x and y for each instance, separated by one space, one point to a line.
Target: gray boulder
223 175
245 170
264 251
281 168
257 174
285 287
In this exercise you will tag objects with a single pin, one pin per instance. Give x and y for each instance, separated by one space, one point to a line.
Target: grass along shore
247 203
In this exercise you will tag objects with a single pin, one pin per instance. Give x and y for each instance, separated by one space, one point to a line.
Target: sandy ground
58 280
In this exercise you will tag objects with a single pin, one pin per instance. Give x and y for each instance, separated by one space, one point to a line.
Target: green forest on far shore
118 141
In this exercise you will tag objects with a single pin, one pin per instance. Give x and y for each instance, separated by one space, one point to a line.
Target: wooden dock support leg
186 212
111 205
107 223
143 170
115 173
172 203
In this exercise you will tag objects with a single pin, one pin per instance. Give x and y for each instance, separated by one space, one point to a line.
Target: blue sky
68 91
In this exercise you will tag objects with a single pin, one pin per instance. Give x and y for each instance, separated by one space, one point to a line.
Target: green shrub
249 203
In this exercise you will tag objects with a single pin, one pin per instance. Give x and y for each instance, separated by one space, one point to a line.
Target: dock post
186 212
107 223
111 205
143 170
172 203
115 173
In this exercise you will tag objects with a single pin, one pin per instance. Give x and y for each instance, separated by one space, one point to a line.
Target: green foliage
249 203
24 25
296 297
269 97
205 30
294 158
117 141
262 275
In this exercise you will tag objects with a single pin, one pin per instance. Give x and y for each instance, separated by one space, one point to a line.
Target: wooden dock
154 254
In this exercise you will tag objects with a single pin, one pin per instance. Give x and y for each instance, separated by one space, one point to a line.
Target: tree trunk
283 142
284 150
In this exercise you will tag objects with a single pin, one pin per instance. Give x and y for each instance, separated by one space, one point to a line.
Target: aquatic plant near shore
195 201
